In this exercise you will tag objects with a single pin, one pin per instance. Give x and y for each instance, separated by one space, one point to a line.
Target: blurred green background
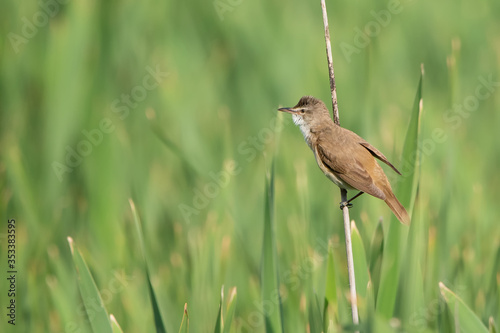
156 100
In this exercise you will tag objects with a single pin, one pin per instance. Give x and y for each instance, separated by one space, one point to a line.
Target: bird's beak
288 110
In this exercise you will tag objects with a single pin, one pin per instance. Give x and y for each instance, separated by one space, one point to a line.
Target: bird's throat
304 128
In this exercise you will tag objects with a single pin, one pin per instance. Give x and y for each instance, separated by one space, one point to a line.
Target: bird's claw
345 204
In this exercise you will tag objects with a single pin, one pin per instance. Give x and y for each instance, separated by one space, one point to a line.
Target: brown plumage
344 157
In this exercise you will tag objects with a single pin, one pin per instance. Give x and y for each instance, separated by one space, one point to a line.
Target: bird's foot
345 204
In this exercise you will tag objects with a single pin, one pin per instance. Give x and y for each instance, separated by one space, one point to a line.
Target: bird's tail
397 208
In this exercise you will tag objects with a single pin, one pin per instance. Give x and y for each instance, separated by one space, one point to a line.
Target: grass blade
231 306
445 318
376 255
114 324
185 321
269 270
370 303
331 327
493 303
315 321
397 234
465 320
98 318
218 322
160 327
361 269
492 326
223 323
360 262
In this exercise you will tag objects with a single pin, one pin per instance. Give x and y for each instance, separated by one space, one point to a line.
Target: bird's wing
375 152
347 168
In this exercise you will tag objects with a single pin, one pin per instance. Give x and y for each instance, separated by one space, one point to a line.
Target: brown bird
344 157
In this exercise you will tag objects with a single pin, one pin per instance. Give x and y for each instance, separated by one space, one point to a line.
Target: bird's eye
302 110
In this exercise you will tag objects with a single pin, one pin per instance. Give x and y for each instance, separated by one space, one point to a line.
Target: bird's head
308 112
